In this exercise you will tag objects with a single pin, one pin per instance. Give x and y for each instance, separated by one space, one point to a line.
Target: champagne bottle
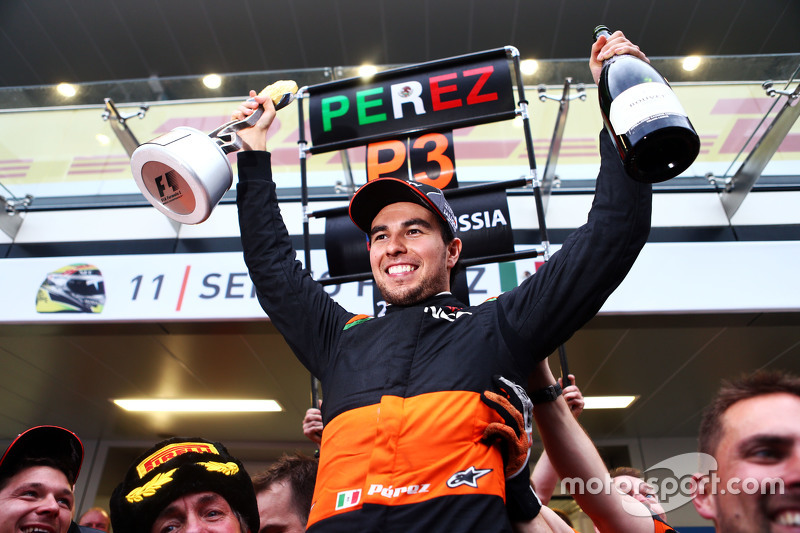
651 130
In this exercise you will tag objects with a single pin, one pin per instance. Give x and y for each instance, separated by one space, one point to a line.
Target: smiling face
38 498
409 258
203 511
760 442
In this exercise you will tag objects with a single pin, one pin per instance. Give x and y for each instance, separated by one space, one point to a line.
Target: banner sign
435 96
153 287
216 286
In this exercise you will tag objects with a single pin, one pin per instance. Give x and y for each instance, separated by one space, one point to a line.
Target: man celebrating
752 429
402 449
37 476
182 485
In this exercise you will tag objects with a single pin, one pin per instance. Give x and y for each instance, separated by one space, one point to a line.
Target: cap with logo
175 468
54 443
377 194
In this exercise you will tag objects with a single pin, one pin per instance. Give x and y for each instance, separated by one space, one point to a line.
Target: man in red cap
403 447
37 477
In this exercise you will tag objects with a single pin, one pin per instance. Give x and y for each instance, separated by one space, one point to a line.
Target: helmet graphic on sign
76 288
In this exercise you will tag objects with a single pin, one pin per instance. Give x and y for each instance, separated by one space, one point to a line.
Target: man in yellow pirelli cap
180 484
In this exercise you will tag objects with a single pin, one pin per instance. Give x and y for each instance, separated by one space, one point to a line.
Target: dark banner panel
484 225
345 246
435 96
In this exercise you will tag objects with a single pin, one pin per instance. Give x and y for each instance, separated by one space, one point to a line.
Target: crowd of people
426 424
751 427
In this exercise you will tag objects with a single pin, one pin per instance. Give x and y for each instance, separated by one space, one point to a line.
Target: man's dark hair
30 462
299 472
748 386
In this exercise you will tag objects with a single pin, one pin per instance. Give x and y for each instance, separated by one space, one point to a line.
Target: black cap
175 468
60 445
377 194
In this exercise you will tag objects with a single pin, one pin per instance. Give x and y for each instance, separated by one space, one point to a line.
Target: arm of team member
574 456
544 477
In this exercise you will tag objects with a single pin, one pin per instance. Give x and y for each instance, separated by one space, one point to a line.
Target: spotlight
691 62
529 66
66 89
212 81
367 71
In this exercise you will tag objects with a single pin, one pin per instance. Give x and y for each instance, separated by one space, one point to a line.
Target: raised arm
300 309
544 477
574 456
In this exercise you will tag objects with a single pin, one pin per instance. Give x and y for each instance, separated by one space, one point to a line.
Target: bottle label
641 103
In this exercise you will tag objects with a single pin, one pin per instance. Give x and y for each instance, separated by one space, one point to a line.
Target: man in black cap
403 443
181 484
37 476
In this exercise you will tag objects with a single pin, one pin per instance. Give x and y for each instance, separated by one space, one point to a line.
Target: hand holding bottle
649 126
605 47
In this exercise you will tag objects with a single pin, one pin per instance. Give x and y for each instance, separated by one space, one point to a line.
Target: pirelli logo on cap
171 451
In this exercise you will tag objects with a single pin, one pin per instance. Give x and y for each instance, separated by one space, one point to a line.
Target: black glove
512 403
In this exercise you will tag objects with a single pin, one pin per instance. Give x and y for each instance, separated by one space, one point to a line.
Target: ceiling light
529 66
66 89
367 71
198 405
102 139
212 81
691 62
608 402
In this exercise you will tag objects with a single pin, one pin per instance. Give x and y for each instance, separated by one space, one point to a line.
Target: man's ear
702 498
453 252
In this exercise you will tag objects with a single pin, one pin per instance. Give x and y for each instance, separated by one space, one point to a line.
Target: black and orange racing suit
402 450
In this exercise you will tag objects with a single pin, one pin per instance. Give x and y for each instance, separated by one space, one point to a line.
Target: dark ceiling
50 41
